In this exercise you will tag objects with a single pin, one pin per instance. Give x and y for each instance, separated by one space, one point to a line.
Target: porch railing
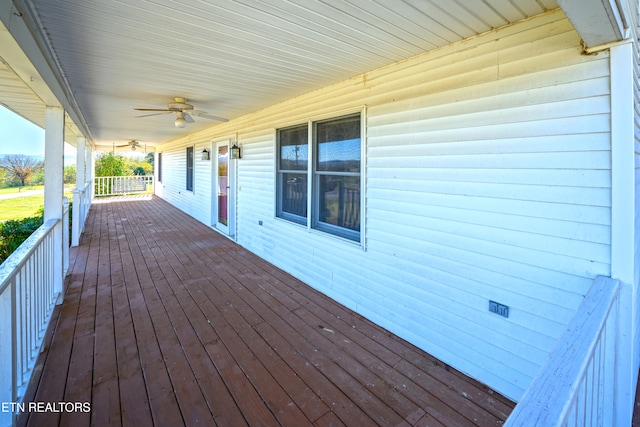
30 284
82 197
576 385
123 185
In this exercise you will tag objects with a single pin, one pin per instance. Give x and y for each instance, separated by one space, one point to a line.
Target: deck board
166 322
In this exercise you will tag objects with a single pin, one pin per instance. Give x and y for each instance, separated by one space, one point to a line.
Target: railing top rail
124 176
12 264
550 395
82 188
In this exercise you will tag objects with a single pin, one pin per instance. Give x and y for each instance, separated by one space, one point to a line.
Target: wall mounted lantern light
235 152
205 154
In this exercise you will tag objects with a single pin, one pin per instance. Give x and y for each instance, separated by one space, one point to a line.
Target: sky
20 136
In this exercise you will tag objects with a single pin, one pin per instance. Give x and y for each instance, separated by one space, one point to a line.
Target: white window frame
193 168
312 223
159 166
303 220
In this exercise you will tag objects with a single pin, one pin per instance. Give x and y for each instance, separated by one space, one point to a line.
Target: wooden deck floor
167 323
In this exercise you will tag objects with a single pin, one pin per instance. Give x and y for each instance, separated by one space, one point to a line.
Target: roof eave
597 21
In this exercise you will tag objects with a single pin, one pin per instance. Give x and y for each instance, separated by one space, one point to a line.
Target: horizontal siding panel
492 114
484 267
476 239
531 319
389 145
431 130
465 274
572 195
558 160
393 169
587 253
547 229
586 214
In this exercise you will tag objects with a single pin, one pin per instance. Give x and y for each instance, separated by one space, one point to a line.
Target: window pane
190 168
339 202
223 184
294 194
339 145
294 152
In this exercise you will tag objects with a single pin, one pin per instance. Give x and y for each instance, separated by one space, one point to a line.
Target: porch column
78 193
54 186
623 232
81 158
91 170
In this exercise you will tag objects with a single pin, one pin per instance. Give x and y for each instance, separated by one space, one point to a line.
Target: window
190 168
293 160
336 178
333 167
159 167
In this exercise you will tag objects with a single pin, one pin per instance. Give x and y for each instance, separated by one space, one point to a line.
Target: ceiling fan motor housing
180 104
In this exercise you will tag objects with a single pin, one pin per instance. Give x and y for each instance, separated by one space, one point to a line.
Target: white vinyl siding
487 178
489 198
196 203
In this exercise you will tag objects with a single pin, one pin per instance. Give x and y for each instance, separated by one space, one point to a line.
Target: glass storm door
222 184
223 200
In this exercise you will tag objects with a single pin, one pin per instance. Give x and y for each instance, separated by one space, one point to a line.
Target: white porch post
54 185
91 170
78 193
623 233
81 158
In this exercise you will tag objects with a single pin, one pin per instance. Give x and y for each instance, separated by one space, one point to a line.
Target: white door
224 187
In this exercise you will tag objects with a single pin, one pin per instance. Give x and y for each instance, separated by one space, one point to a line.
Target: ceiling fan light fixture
180 121
183 112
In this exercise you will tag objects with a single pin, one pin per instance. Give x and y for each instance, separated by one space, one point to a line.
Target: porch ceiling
233 58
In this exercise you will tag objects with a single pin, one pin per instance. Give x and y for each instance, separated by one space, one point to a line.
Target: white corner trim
622 163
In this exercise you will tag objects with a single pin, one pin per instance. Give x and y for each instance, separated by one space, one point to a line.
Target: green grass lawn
23 207
20 207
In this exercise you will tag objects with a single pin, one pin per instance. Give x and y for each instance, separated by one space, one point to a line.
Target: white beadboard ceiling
230 58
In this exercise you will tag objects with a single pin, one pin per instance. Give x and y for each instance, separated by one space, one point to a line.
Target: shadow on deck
166 322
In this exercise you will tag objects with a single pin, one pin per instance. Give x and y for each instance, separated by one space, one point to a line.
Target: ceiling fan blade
208 116
156 114
188 118
152 109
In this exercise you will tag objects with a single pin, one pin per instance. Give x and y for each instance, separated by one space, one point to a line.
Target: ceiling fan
133 144
183 112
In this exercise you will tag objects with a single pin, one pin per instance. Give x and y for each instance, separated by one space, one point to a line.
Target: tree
109 164
70 174
20 167
138 167
150 158
3 178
